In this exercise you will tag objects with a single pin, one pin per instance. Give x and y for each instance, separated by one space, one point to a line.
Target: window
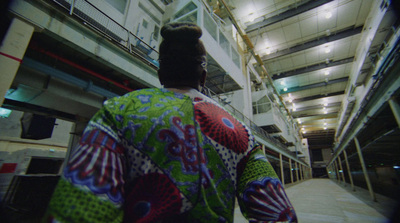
210 25
223 42
188 8
145 23
156 33
44 165
118 4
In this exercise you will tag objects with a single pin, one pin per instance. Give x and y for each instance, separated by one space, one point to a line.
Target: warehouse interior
317 82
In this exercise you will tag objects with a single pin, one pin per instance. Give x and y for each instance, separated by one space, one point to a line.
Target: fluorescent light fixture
282 83
325 112
304 132
325 128
396 167
326 72
285 89
294 109
327 50
328 15
325 104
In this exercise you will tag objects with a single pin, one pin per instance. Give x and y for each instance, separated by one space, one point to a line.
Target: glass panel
118 4
210 25
189 18
223 42
156 33
235 57
188 8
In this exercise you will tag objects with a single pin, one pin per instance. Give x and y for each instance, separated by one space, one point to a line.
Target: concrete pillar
394 105
291 171
364 168
348 170
297 171
301 171
12 51
337 171
263 148
282 174
341 173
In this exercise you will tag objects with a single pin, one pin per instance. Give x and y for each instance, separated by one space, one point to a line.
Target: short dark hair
182 53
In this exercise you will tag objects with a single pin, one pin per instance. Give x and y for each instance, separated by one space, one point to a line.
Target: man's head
182 58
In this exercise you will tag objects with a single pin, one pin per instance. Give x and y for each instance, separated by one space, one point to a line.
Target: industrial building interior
317 82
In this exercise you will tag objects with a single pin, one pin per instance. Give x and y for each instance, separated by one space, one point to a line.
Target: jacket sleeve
260 193
91 187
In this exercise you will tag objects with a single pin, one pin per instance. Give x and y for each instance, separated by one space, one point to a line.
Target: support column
394 105
364 168
341 169
291 171
263 148
297 171
301 171
337 171
12 51
348 170
282 174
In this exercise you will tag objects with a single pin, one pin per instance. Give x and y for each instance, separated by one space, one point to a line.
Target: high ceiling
308 49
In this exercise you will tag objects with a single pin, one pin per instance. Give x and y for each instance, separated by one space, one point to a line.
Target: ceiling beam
287 14
311 68
316 85
313 43
317 116
331 105
319 96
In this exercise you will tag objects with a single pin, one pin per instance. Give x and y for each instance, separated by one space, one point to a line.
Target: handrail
104 24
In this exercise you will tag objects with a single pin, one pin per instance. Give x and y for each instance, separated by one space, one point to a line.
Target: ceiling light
304 132
327 50
268 51
302 129
328 15
325 112
294 109
282 83
325 123
324 108
326 72
285 89
325 104
325 128
251 17
290 100
299 122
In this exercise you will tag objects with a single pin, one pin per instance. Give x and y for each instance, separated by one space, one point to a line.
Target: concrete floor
325 200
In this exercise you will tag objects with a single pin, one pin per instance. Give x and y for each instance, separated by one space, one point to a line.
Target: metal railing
101 22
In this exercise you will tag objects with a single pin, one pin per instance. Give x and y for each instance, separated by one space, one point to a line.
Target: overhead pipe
79 67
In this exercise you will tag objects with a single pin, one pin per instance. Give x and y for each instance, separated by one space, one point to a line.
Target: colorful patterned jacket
154 155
